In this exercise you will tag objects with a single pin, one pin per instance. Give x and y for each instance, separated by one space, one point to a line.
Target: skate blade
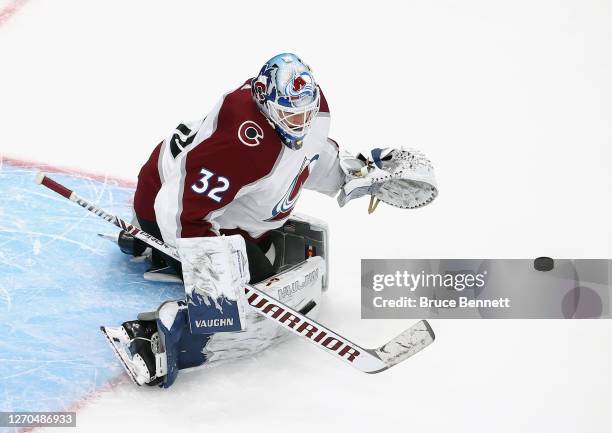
113 345
160 277
109 237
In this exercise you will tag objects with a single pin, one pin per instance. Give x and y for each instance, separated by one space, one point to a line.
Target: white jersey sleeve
327 176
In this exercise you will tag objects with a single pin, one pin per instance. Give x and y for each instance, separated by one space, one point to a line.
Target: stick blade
408 343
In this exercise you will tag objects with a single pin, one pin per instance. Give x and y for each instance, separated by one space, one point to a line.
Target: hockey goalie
221 190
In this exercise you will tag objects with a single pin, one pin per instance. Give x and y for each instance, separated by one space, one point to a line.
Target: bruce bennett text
425 302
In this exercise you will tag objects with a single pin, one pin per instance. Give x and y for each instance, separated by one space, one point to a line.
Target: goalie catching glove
403 178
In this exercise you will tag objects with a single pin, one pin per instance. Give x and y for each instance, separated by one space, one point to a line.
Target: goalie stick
400 348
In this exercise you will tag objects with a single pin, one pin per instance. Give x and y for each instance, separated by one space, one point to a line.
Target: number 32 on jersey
214 192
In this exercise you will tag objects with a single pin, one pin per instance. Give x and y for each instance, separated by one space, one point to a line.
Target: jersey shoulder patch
243 145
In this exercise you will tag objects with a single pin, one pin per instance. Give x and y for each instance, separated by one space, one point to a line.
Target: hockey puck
309 306
543 264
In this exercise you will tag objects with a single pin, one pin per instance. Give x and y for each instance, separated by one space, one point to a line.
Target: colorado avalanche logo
300 87
283 208
260 90
250 133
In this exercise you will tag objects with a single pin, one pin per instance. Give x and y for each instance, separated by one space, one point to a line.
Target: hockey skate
138 345
158 272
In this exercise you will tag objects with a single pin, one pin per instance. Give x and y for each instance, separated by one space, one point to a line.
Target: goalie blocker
215 271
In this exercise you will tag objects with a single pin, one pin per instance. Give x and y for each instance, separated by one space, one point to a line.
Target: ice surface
59 282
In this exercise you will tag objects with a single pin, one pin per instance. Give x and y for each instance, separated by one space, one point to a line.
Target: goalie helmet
286 93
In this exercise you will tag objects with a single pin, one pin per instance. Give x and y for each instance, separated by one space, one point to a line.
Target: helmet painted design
286 92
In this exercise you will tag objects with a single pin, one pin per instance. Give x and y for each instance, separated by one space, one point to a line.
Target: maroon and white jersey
230 173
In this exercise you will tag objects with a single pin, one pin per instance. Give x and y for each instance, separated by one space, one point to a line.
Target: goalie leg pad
299 287
177 348
182 348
